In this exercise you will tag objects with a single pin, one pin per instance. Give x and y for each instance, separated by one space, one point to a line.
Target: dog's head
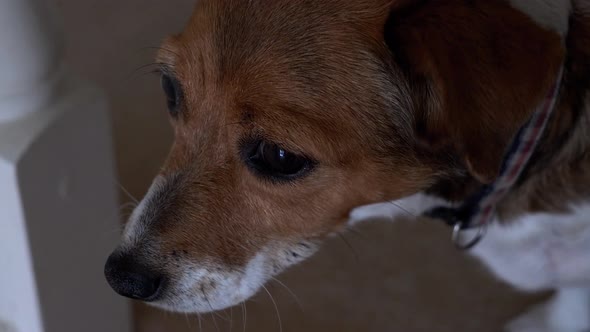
289 114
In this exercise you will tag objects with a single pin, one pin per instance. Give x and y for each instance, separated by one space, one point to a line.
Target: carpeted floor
386 277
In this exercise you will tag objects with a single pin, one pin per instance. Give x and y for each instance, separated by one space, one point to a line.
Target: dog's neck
556 176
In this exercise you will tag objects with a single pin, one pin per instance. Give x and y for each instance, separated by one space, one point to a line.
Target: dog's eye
173 93
272 160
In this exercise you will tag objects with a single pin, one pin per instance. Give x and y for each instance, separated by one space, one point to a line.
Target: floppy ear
481 67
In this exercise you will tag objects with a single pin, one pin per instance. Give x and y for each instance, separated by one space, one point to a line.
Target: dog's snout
132 279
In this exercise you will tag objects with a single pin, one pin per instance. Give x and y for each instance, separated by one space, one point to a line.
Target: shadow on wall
5 327
113 44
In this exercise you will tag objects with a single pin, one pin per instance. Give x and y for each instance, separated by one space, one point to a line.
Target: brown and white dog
288 115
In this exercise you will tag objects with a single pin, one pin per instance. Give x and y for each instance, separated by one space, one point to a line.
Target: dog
294 120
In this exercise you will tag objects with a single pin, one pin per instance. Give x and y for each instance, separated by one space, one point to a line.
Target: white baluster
58 206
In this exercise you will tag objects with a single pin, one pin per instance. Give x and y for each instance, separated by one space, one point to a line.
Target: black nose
131 279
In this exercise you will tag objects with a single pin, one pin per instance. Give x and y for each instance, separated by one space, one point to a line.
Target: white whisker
290 292
276 308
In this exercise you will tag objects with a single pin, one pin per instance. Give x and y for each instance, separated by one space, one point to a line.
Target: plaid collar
478 210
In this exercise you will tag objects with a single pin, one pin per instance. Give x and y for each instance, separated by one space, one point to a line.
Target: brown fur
390 97
475 57
317 87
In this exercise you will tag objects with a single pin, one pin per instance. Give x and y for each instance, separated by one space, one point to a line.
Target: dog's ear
479 68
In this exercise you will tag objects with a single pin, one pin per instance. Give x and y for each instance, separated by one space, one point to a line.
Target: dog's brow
167 52
167 69
246 115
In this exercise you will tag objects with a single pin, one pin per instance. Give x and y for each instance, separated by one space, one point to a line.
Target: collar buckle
458 236
459 219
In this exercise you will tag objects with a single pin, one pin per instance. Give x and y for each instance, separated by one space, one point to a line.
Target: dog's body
288 115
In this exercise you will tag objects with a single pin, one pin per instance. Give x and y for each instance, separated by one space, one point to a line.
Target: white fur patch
550 14
206 286
408 207
567 311
540 251
136 227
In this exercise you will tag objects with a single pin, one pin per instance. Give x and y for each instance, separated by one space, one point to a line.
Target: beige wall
403 277
109 41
